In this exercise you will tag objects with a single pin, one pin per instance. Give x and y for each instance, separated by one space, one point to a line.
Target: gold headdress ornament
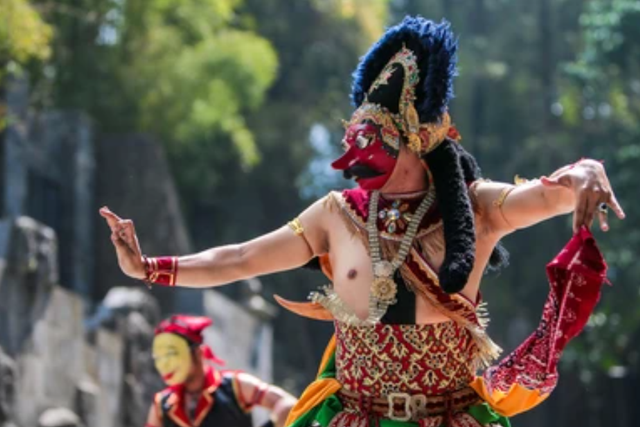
421 138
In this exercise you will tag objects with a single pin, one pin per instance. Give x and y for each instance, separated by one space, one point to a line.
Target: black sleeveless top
403 312
219 408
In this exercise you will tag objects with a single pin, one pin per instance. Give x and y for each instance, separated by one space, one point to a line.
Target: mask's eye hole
168 353
363 141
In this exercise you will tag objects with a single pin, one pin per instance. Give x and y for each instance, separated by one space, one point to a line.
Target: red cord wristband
162 271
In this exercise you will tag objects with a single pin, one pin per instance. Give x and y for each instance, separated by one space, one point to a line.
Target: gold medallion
384 289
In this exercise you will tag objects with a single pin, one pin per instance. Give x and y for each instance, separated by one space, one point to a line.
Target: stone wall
48 169
242 340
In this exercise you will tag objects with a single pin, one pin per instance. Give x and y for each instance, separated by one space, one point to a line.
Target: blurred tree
181 70
24 42
198 75
602 89
318 44
23 34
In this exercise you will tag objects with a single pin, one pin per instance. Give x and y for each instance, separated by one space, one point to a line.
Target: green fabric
325 412
330 407
328 410
329 370
306 419
484 414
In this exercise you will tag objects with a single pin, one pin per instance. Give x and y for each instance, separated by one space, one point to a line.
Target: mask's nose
345 161
162 364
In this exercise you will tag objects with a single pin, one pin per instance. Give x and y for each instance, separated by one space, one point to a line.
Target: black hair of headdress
499 256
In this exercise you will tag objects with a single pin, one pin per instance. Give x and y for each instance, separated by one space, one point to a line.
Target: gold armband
503 196
500 201
517 180
296 226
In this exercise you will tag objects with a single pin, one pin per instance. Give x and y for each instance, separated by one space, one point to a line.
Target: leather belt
409 407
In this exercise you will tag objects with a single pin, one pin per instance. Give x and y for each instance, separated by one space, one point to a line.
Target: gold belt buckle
407 406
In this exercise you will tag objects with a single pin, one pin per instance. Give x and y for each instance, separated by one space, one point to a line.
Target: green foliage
24 39
204 89
195 75
370 15
602 84
185 71
607 28
23 35
543 84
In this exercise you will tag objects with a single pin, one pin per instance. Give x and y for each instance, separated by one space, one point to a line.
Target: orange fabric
310 310
515 401
328 352
325 266
315 394
319 390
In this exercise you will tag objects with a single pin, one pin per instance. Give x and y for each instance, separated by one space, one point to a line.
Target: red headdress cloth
190 327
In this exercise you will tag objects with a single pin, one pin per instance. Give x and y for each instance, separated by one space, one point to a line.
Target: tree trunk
478 25
546 64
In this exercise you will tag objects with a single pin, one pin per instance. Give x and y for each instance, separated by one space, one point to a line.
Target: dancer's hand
124 239
591 189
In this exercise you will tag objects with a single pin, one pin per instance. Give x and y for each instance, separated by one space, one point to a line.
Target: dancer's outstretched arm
279 250
580 188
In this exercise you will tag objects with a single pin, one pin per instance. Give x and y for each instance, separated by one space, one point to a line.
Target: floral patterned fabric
416 359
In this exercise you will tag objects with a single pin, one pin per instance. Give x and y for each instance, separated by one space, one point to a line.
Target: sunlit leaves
205 88
370 15
195 76
23 34
24 38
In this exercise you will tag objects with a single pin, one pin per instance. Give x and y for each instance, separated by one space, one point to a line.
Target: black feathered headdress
409 74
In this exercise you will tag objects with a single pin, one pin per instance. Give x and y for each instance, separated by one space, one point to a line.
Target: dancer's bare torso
351 264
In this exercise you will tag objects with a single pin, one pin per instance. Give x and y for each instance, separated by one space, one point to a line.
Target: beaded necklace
384 289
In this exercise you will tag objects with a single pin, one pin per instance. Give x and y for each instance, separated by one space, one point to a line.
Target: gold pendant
384 289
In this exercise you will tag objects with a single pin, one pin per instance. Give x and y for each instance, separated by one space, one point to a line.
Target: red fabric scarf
575 276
